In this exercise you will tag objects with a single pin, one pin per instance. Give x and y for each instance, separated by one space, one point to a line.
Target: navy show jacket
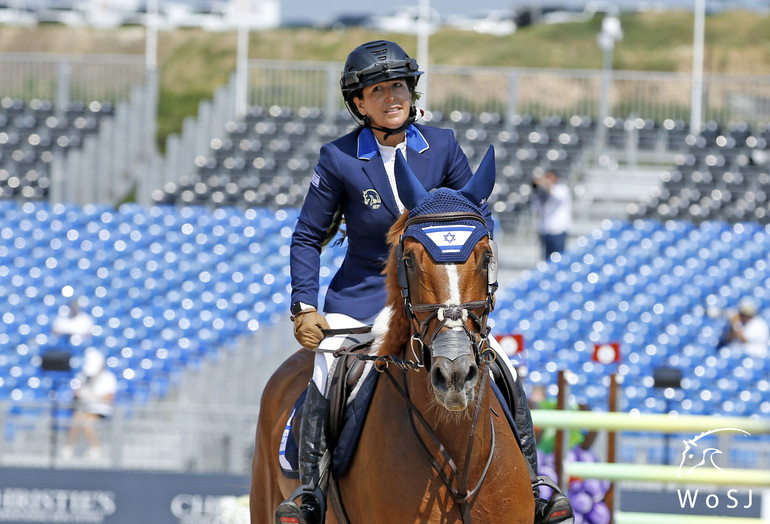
350 176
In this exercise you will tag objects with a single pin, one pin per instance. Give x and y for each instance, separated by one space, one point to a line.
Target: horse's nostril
437 378
473 372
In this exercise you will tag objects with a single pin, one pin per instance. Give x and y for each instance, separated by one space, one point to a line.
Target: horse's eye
409 263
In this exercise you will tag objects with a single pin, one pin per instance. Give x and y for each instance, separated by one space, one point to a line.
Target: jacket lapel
375 170
417 158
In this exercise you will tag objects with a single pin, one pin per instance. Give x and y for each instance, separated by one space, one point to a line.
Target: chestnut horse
436 445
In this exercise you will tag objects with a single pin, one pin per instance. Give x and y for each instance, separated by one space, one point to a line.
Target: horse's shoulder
298 362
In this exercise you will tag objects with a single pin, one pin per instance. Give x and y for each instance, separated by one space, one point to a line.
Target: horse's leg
268 484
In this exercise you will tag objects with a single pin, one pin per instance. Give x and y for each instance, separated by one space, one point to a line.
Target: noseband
447 315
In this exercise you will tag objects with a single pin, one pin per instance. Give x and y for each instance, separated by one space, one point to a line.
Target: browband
451 216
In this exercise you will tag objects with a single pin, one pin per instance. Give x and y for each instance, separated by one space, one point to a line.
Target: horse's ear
410 190
480 186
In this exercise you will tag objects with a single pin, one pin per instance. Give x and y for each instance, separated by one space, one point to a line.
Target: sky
292 10
321 10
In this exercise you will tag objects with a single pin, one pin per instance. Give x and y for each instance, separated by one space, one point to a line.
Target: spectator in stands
95 388
73 326
748 330
354 179
552 203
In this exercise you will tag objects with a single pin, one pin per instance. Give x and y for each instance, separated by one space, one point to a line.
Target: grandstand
189 286
266 159
32 136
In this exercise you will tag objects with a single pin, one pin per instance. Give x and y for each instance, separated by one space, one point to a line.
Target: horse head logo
372 198
695 453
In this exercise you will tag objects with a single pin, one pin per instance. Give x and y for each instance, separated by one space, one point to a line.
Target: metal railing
61 78
537 92
508 91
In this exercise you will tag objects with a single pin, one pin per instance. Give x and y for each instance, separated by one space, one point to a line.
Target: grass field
193 63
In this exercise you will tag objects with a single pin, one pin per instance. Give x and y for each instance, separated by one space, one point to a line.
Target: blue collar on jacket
367 143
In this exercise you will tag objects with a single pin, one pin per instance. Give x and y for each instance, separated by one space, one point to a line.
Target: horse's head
441 279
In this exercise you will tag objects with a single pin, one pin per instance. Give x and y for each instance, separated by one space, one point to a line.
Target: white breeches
323 361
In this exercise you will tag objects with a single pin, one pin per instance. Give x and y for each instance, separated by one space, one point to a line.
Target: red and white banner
607 353
511 344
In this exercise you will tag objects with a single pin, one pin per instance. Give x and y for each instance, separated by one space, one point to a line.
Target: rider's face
386 104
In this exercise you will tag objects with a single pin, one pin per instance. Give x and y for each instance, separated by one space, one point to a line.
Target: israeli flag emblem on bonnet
449 238
448 242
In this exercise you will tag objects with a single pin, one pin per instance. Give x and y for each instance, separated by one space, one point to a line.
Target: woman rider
354 179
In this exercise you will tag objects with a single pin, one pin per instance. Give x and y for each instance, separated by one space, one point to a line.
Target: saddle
350 386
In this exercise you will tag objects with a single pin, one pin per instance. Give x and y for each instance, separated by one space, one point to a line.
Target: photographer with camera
552 203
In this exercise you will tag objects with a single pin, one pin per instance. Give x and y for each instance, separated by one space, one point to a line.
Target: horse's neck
453 429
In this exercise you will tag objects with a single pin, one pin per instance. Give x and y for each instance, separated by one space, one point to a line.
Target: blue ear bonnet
447 241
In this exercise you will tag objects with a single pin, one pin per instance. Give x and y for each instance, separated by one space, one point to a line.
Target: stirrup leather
289 512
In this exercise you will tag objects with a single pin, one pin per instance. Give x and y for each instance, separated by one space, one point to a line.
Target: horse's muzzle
454 371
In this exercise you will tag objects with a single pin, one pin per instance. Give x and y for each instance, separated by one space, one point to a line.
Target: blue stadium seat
654 300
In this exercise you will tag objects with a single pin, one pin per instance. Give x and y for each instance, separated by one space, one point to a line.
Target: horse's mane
399 329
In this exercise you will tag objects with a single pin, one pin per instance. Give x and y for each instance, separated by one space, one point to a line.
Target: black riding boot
558 508
312 446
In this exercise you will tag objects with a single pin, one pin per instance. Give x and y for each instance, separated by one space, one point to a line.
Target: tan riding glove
308 324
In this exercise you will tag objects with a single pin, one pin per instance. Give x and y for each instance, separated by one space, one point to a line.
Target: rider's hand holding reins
308 324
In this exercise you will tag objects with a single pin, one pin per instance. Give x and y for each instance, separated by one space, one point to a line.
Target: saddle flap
353 424
351 386
345 374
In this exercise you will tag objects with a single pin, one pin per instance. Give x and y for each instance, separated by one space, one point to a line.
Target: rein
461 495
381 362
444 315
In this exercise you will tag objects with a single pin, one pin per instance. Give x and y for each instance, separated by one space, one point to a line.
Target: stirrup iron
557 509
289 512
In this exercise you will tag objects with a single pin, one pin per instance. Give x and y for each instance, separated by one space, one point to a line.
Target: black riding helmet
372 63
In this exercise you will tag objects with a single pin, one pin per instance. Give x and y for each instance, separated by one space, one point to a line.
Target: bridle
456 314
